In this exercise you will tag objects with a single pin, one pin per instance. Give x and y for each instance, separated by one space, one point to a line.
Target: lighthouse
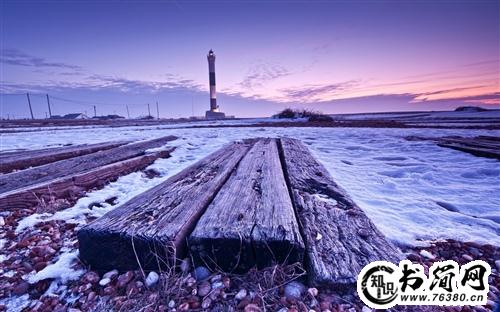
214 112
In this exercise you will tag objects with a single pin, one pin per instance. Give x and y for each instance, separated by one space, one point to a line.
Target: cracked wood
67 167
151 228
251 221
74 186
10 161
340 239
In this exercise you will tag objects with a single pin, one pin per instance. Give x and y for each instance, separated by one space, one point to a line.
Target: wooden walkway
66 173
483 146
252 203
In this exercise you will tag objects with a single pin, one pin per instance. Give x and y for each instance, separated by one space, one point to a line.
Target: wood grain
340 239
10 161
482 146
74 186
67 167
151 229
251 221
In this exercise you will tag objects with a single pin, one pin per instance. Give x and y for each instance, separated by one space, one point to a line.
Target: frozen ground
414 191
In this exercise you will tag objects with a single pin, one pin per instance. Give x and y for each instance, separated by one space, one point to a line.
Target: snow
16 304
60 270
405 187
426 254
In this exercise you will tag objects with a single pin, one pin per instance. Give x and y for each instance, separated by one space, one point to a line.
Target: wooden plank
11 161
340 239
251 221
151 228
43 174
74 186
482 146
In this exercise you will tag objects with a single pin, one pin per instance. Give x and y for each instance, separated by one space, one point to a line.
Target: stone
497 264
466 257
152 279
252 308
312 291
171 304
206 303
241 294
21 288
111 274
204 289
294 290
104 281
91 277
124 279
201 273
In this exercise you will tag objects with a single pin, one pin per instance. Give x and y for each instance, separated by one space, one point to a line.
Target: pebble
104 281
111 274
204 289
124 279
466 257
91 277
216 278
206 303
252 308
201 273
21 288
171 304
184 306
497 264
426 254
2 221
294 290
152 279
241 294
218 285
312 291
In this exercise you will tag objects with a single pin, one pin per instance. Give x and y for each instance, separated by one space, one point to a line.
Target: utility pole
149 112
48 104
29 103
95 112
192 106
128 113
157 111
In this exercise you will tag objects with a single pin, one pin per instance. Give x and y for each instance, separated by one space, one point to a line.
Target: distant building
214 112
108 117
70 116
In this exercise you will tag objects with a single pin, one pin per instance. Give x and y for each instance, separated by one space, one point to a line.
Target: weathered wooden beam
482 146
340 239
251 221
74 186
150 230
11 161
43 174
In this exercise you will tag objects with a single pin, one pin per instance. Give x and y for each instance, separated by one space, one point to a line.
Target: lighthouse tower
213 113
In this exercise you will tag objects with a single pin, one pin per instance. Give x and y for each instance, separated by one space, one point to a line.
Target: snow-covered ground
413 190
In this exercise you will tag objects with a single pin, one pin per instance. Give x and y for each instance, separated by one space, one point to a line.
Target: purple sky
332 56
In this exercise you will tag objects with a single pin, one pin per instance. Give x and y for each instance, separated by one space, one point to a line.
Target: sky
329 56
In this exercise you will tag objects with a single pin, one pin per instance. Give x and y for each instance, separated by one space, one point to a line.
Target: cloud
315 93
18 58
261 73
